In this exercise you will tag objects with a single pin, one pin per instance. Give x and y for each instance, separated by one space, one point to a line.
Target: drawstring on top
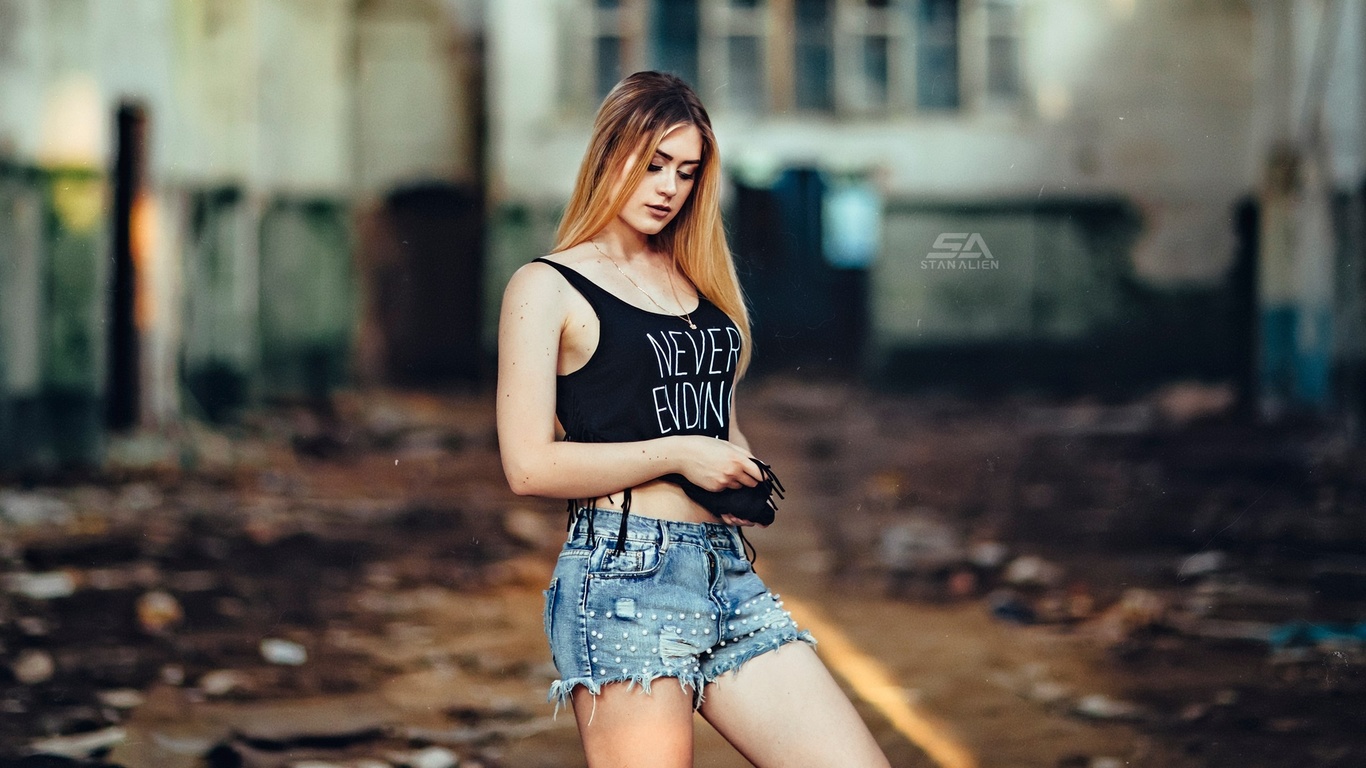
625 512
574 505
747 547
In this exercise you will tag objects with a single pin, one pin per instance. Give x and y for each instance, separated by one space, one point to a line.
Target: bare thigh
782 709
624 727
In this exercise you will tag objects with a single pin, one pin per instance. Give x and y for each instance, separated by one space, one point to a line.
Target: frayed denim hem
717 670
560 690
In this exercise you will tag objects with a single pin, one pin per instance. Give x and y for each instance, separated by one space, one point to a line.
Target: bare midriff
663 500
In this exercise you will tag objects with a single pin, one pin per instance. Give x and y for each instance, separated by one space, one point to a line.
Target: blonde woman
618 355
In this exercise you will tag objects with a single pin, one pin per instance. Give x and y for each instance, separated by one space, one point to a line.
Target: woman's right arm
534 314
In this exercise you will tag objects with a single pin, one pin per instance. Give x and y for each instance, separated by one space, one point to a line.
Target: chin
649 226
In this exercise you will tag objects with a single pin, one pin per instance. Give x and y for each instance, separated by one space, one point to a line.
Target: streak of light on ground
874 684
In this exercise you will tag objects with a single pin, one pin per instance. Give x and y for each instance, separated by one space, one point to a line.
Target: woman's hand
738 438
715 465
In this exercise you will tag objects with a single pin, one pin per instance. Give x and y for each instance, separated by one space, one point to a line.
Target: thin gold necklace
685 317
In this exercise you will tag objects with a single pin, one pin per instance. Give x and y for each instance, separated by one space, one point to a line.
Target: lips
662 210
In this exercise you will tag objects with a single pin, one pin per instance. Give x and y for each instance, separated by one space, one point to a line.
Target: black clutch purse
756 504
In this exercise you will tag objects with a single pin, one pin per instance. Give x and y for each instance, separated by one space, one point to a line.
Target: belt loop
663 536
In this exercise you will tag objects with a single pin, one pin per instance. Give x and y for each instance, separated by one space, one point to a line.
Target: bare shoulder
538 273
588 261
535 279
580 257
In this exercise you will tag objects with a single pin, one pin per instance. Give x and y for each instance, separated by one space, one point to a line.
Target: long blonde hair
631 121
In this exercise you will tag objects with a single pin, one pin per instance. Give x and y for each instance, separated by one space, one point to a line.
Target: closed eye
654 168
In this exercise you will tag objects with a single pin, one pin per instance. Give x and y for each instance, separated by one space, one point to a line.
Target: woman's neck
624 241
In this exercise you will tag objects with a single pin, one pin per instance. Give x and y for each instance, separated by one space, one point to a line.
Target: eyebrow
668 156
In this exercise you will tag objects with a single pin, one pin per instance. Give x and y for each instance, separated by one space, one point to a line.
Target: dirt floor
1045 584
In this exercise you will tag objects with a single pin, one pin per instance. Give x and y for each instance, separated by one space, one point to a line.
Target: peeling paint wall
307 296
222 293
1168 108
51 148
268 123
415 112
23 286
1046 271
1145 102
1148 103
1312 191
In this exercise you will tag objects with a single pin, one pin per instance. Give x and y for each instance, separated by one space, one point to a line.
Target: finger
750 475
752 470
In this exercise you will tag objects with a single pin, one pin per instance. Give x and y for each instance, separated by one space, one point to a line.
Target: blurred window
674 35
876 56
852 57
1003 50
851 222
609 69
735 46
875 64
937 59
813 57
616 29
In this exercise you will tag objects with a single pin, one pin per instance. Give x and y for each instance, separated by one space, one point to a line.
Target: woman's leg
624 727
782 709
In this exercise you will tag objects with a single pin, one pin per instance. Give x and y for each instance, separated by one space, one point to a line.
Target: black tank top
650 376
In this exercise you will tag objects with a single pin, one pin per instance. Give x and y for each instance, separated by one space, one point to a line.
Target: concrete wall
1147 103
415 104
269 122
1312 190
51 334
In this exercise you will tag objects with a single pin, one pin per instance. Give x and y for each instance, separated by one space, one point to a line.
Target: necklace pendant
694 327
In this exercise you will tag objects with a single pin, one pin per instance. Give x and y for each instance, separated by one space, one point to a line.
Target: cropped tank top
650 376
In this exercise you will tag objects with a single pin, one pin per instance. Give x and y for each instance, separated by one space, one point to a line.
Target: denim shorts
680 600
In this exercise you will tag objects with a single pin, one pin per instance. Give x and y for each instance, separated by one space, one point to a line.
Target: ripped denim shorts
679 600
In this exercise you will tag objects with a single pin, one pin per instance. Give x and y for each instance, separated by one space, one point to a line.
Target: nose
668 185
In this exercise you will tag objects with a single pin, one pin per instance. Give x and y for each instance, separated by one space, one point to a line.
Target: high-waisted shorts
680 600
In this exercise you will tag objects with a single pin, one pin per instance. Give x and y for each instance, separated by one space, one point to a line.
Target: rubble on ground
1217 569
1162 530
258 575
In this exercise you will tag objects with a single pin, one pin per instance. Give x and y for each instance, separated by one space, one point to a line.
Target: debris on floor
359 588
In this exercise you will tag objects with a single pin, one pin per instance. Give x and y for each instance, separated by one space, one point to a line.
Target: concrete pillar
1297 254
23 281
263 156
53 138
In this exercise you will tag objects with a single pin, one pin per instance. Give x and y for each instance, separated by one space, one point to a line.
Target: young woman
617 359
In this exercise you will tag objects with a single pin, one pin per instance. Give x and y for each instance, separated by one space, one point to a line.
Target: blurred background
1079 281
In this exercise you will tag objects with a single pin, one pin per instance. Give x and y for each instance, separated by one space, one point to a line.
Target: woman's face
667 182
